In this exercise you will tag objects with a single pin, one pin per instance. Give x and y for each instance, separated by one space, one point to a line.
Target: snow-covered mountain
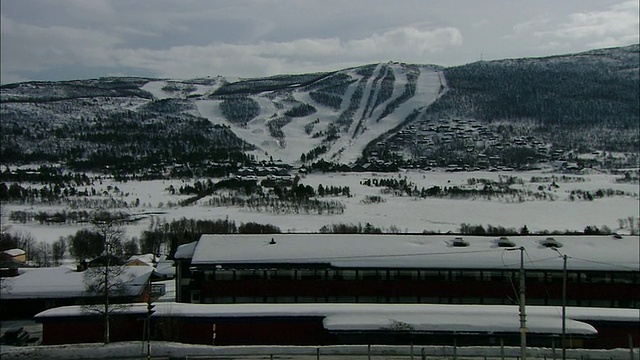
293 115
416 111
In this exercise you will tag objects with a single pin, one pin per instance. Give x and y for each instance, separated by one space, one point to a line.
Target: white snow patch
406 214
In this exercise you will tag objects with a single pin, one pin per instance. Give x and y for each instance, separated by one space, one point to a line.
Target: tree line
161 237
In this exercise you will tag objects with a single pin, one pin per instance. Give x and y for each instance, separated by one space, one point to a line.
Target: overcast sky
77 39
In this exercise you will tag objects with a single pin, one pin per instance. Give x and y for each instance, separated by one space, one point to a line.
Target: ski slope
365 127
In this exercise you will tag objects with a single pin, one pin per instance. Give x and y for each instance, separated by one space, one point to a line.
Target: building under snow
317 289
326 324
34 290
602 271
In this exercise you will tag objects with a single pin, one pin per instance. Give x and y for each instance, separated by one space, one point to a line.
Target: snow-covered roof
14 252
416 251
419 317
165 267
145 258
185 251
65 282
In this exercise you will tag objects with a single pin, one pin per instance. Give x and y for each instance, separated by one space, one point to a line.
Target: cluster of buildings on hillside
466 144
317 289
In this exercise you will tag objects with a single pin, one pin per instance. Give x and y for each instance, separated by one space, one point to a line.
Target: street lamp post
564 303
564 307
523 316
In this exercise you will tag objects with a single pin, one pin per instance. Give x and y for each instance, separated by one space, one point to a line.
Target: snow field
406 214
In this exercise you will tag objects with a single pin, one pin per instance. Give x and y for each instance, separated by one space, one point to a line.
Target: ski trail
370 88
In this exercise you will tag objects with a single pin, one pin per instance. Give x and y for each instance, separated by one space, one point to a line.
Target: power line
604 263
353 257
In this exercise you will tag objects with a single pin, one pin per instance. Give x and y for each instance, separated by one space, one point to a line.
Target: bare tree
130 247
41 254
107 283
86 244
58 249
108 279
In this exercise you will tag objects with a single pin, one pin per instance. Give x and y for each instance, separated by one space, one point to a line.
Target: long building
329 324
601 271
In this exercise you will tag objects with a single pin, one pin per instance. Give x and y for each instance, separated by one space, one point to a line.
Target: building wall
407 286
301 330
89 329
615 334
193 330
252 331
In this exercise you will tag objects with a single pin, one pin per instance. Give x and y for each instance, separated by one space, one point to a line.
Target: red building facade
602 271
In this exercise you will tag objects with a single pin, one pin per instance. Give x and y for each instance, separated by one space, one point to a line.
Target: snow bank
421 317
168 349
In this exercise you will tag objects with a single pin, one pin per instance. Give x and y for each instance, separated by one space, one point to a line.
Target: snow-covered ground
405 213
402 213
135 350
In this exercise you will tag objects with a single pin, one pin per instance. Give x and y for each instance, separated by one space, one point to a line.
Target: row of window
417 275
197 298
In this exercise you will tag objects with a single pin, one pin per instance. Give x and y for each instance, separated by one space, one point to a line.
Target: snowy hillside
514 113
330 116
365 109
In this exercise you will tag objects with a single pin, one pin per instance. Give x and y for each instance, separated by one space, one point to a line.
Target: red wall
229 331
74 331
256 331
614 335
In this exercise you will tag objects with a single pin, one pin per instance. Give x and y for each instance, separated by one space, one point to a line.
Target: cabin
141 260
16 255
601 271
10 261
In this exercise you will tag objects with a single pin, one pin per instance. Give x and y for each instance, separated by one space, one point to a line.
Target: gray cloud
615 26
30 47
266 57
48 39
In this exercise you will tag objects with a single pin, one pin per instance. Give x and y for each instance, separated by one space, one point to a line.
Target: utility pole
106 293
564 303
564 307
150 312
523 316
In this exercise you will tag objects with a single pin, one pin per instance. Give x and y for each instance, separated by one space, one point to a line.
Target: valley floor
540 206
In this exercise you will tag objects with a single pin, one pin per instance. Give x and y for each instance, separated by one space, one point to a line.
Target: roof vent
459 242
505 242
272 242
550 243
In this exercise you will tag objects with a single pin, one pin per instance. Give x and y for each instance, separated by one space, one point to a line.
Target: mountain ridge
378 112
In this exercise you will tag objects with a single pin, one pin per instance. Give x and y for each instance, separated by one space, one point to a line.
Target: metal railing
408 352
166 350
